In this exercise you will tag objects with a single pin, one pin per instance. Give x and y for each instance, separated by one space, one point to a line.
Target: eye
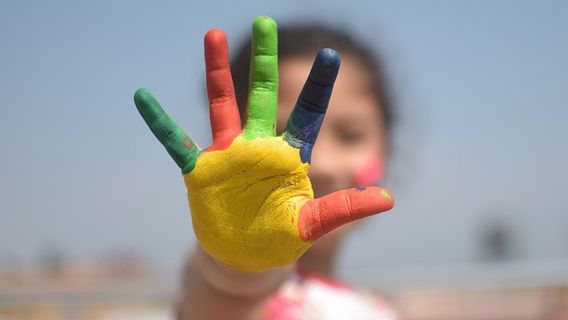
350 136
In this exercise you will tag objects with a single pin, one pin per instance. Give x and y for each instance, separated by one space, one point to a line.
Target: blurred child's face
352 134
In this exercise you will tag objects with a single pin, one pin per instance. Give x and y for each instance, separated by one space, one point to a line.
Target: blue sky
481 89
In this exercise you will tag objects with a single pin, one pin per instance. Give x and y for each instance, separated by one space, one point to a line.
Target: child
249 264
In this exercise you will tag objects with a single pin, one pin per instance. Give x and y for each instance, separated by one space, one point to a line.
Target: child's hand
250 196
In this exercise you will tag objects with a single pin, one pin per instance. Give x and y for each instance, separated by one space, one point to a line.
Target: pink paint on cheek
370 172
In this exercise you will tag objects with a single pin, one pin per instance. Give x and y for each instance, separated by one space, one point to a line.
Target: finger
263 87
178 144
223 111
306 118
320 216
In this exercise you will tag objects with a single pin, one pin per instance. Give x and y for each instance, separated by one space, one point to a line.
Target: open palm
249 193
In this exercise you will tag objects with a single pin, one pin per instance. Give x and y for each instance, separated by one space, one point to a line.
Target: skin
249 192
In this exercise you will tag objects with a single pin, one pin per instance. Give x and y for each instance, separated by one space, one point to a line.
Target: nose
325 166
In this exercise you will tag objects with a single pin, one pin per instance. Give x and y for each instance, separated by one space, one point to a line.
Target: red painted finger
223 111
320 216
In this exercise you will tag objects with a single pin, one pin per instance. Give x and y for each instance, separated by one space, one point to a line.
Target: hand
250 197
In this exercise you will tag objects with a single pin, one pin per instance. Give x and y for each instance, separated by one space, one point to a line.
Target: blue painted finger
306 118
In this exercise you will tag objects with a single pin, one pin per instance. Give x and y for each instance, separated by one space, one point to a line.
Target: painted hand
250 197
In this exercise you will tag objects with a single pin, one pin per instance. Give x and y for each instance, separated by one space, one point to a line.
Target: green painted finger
178 144
263 87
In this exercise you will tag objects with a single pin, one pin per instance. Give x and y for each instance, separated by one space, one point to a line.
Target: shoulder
311 296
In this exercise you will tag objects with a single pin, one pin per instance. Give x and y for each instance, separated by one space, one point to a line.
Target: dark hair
307 40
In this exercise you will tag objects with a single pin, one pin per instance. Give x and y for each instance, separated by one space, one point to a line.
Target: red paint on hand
320 216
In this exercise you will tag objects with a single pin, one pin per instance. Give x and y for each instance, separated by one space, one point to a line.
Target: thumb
320 216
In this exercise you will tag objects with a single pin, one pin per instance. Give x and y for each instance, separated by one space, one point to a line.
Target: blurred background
93 214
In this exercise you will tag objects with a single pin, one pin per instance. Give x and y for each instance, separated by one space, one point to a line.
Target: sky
480 87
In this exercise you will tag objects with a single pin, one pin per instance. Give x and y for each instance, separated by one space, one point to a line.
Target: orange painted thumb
320 216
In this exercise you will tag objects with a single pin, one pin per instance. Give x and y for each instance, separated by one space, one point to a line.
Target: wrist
224 278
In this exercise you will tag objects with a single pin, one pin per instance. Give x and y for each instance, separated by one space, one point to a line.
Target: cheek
363 168
347 167
370 171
